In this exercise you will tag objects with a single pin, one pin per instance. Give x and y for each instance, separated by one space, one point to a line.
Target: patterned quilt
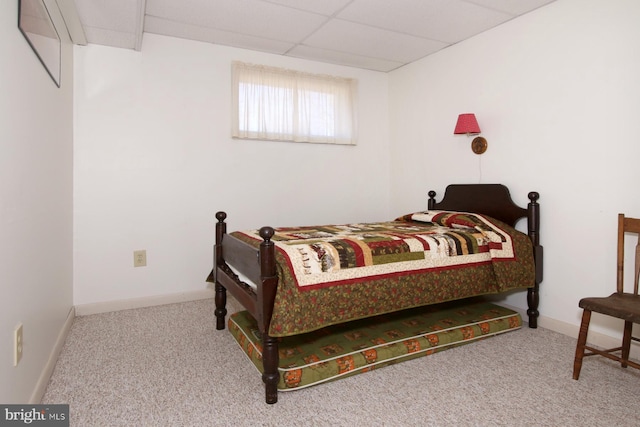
334 273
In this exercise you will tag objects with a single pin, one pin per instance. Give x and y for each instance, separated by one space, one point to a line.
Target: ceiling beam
142 7
72 21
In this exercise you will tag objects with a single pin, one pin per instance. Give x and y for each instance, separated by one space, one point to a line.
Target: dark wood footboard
259 265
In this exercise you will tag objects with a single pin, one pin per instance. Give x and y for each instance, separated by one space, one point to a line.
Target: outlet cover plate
140 258
17 345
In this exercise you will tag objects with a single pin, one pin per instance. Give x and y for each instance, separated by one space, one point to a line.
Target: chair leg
626 343
582 341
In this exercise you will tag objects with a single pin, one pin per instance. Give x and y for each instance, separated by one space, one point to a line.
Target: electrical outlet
17 345
140 258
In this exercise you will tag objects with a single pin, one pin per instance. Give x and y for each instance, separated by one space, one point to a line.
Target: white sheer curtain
285 105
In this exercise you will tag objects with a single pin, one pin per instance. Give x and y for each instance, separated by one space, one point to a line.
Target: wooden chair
625 306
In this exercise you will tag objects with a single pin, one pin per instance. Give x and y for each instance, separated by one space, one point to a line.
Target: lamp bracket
479 145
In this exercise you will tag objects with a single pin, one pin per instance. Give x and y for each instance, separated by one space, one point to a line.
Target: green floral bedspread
335 273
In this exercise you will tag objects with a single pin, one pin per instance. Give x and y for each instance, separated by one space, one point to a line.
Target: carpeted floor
168 366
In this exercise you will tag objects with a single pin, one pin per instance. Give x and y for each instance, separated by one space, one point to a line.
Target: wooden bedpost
221 292
432 200
266 298
533 226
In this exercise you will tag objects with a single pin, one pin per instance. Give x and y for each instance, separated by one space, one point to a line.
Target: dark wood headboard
493 200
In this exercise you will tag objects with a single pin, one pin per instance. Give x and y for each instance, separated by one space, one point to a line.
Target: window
285 105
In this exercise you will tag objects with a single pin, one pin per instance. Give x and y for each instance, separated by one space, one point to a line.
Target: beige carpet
168 366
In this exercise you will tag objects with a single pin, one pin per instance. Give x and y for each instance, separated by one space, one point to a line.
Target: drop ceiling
379 35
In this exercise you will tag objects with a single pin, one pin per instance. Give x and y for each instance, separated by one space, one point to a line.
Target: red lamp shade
467 123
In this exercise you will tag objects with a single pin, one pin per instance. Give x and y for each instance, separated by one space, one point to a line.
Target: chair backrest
628 225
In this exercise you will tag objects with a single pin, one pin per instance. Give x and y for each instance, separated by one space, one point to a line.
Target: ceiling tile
324 55
211 35
251 17
324 7
349 37
110 38
510 6
114 15
444 20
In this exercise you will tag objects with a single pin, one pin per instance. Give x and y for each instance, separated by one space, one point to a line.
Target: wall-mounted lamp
468 124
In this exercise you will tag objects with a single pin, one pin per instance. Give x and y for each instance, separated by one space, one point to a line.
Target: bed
279 275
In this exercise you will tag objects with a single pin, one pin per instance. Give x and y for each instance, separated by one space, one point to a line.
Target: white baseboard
594 338
47 371
103 307
117 305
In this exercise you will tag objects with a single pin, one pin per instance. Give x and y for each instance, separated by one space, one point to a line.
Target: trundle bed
300 285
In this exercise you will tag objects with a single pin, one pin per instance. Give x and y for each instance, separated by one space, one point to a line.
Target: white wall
557 95
154 161
35 208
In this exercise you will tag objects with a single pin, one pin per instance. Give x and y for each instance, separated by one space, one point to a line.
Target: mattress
344 350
